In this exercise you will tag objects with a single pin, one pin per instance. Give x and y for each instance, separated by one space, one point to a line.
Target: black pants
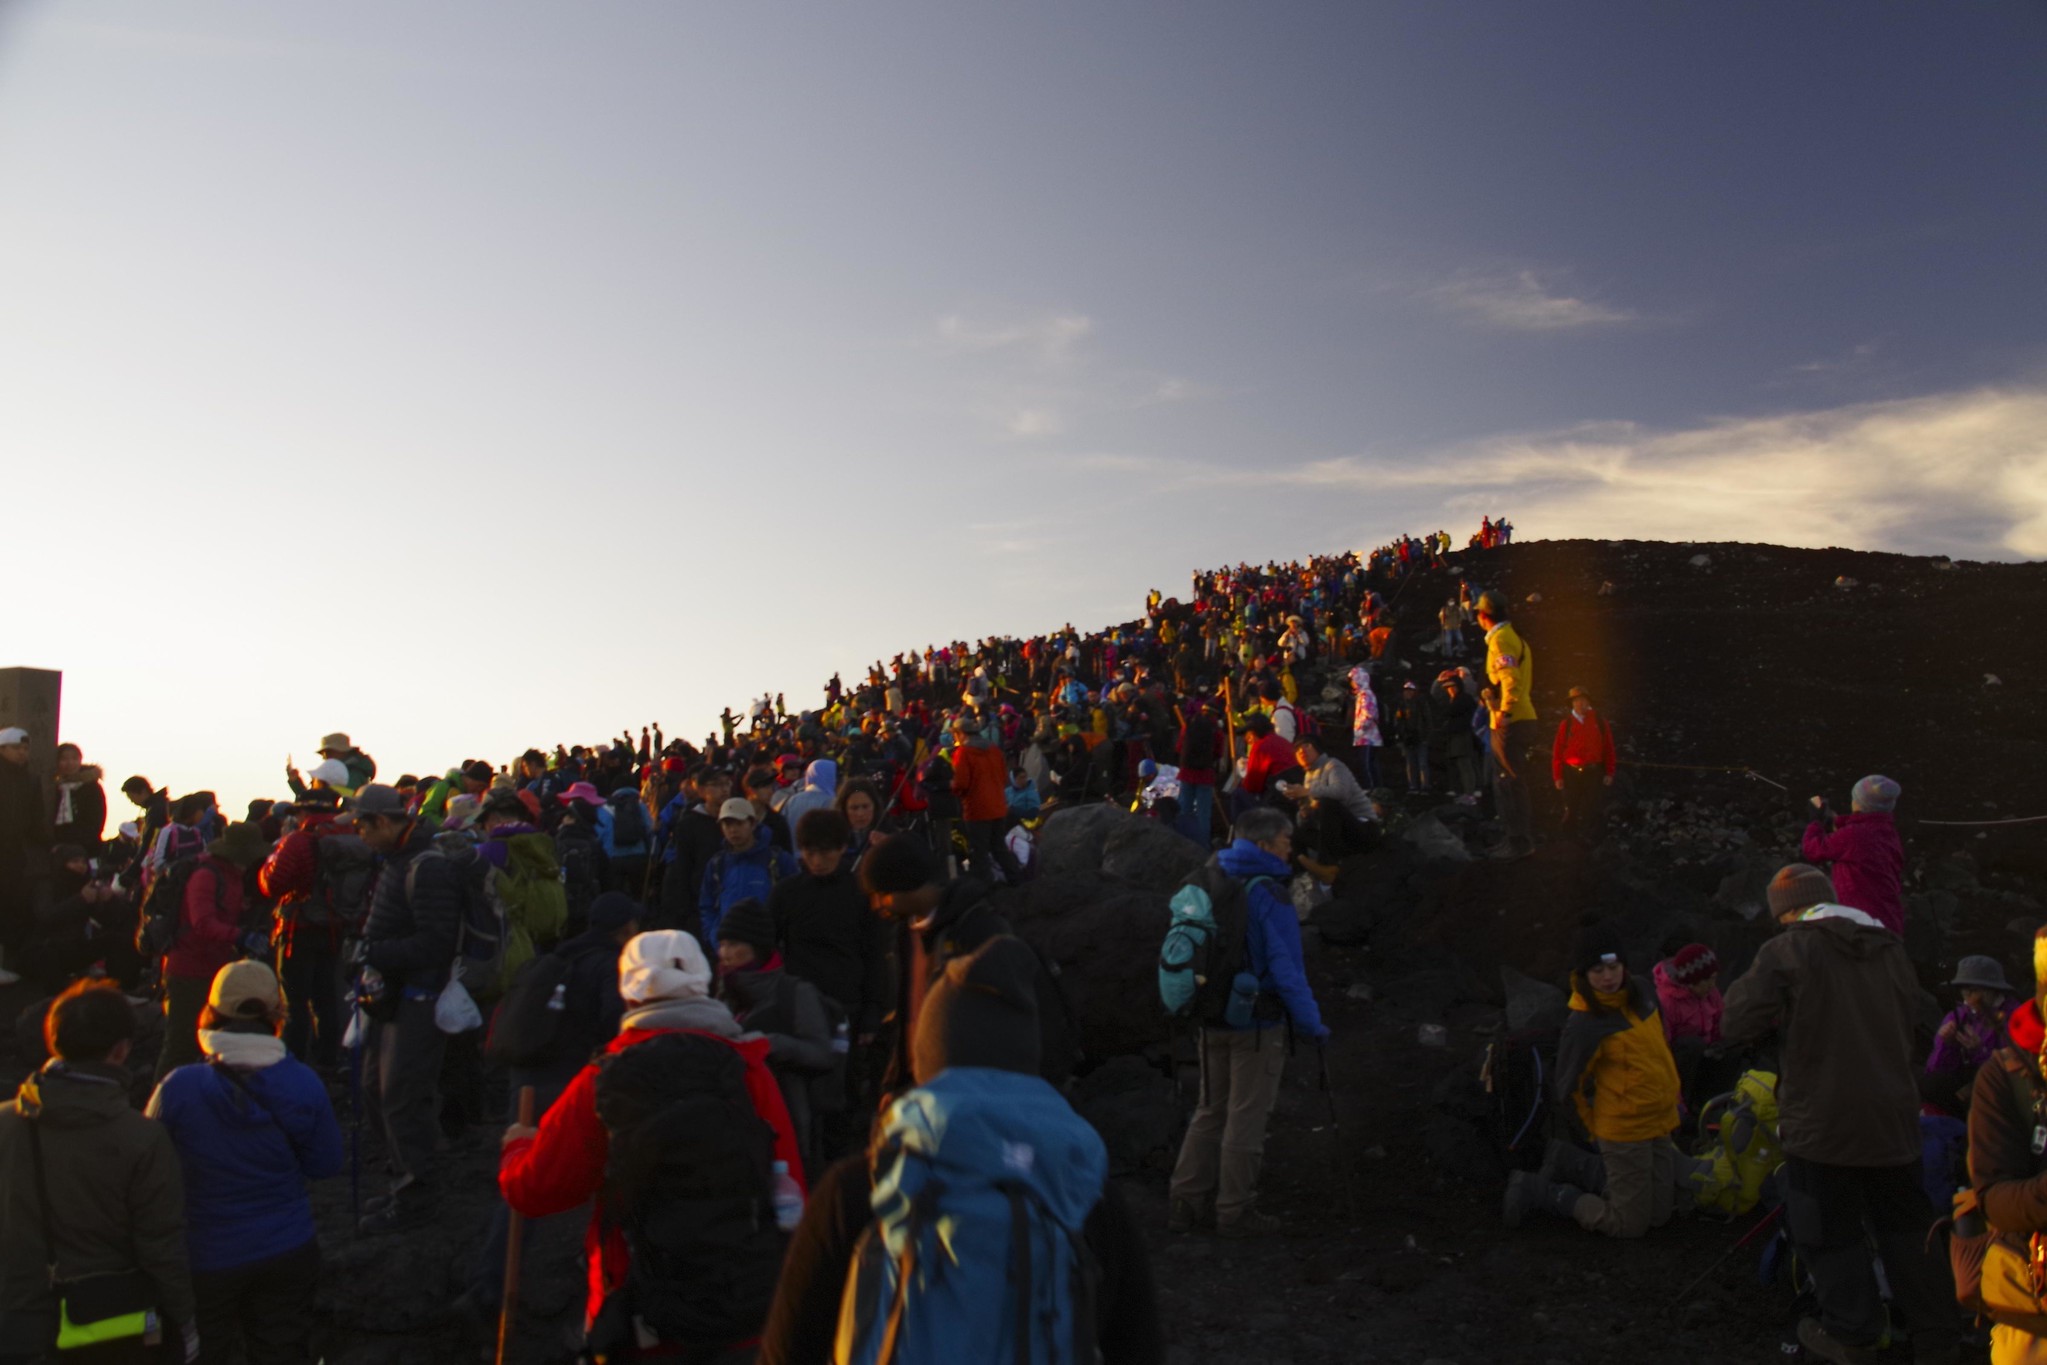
985 845
310 971
183 999
1831 1212
266 1306
1513 776
1584 801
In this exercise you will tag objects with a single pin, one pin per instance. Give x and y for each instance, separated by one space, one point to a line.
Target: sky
478 375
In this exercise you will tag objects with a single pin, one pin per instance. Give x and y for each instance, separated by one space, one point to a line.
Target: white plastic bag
455 1011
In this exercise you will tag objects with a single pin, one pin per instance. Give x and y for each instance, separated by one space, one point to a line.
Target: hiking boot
1567 1162
400 1212
1186 1216
1528 1192
1822 1343
1249 1223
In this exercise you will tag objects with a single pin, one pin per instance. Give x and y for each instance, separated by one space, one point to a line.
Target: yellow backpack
1740 1150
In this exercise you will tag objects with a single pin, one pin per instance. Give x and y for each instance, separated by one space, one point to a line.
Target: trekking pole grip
515 1238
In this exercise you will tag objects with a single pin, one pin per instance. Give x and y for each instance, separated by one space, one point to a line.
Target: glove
191 1343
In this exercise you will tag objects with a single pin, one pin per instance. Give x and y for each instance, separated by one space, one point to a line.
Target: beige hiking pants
1219 1159
1640 1189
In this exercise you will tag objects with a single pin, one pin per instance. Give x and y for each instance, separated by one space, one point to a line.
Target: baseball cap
246 990
13 734
737 808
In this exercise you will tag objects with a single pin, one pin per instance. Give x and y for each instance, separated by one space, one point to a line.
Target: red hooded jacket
564 1166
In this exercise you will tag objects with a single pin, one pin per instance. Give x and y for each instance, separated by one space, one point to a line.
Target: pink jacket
1686 1015
1869 864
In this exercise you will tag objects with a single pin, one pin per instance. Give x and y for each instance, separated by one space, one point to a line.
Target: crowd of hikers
752 1004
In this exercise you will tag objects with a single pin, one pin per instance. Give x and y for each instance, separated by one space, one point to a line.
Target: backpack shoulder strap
240 1083
35 1147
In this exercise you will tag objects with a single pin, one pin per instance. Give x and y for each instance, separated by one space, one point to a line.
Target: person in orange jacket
979 776
665 981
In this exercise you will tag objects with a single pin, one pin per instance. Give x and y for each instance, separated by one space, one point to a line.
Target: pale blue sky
468 376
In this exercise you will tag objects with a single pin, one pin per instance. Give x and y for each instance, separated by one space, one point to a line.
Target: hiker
1337 818
79 813
976 1062
748 867
321 893
1365 732
1582 765
89 1191
939 920
252 1124
1688 999
408 943
766 998
1456 714
828 937
669 1131
859 801
1863 846
688 836
624 834
1837 989
1451 618
2004 1173
1510 667
208 935
155 806
977 775
1969 1036
819 790
1215 1180
1616 1084
358 769
1269 761
1199 746
1022 796
24 842
1414 724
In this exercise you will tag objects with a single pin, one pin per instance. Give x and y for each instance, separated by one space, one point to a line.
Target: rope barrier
1704 768
1957 824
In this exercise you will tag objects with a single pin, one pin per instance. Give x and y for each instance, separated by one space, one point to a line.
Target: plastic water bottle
560 999
788 1199
1243 1000
842 1039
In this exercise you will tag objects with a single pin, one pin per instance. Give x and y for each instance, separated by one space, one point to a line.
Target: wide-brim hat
581 791
242 844
337 742
1983 973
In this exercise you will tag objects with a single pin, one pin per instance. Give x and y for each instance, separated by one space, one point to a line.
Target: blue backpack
983 1182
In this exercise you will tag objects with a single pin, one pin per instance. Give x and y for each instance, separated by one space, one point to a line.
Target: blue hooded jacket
246 1158
733 877
820 787
1275 935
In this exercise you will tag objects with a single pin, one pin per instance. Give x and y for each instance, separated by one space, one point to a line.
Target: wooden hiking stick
515 1239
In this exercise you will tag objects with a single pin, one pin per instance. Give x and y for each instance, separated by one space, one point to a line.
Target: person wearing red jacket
1270 757
1867 856
979 775
1581 764
209 937
665 982
308 932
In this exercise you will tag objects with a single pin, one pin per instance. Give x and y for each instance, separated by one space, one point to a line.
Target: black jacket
830 938
591 1007
964 920
414 916
24 824
804 1321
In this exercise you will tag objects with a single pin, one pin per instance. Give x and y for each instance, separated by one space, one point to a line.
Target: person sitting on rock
1616 1081
1868 858
1337 818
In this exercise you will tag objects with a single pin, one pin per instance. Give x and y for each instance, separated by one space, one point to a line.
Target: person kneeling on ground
252 1124
979 1101
1616 1077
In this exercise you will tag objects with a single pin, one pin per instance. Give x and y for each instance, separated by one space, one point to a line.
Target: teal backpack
1206 945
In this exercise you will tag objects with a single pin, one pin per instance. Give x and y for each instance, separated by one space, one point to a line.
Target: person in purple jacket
1867 856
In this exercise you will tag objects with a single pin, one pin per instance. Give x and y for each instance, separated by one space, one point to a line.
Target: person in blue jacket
251 1124
746 868
1215 1181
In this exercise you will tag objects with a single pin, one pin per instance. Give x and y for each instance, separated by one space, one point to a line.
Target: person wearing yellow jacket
1510 668
1616 1082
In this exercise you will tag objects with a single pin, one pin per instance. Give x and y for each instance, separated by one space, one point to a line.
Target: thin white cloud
1035 422
1522 301
1958 473
1050 338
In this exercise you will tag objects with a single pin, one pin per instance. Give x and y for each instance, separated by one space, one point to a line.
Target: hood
75 1094
1846 930
1867 817
823 776
1243 859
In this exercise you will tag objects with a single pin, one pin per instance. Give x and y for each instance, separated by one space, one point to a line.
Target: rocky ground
1807 667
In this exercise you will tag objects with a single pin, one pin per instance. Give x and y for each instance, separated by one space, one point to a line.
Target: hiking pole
1768 1220
515 1240
1350 1194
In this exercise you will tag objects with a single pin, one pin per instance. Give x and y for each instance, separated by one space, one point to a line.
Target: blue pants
1196 810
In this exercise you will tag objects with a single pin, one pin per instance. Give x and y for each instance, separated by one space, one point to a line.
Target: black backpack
1517 1075
343 868
628 822
689 1182
527 1023
163 908
581 863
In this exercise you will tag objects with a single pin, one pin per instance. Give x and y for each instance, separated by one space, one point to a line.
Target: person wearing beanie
2004 1169
1616 1084
977 1036
1688 998
1836 988
251 1126
790 1013
936 921
665 982
1867 857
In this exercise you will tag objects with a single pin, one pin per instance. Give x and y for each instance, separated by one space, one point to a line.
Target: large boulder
1135 1109
1104 933
1104 838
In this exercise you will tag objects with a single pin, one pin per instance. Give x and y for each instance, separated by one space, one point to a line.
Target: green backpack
536 905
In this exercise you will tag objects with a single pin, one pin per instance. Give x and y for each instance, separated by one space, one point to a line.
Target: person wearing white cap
358 769
665 1087
24 837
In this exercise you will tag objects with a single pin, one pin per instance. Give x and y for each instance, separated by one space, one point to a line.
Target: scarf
242 1051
